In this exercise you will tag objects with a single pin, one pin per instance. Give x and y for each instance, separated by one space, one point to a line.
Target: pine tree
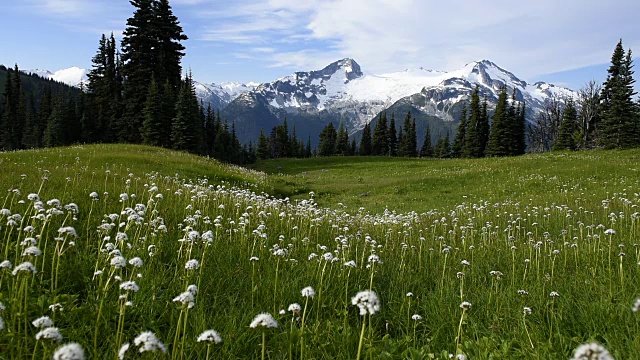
307 151
54 132
30 132
365 142
353 149
328 137
14 112
413 140
426 150
170 51
342 141
264 147
152 127
445 148
404 147
566 133
392 136
619 124
186 127
379 144
500 137
458 142
151 45
520 130
472 147
210 131
483 128
8 114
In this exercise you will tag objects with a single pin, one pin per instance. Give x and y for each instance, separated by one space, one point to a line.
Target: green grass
405 184
540 221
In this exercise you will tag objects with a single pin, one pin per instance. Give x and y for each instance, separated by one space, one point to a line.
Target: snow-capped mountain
342 93
220 95
72 76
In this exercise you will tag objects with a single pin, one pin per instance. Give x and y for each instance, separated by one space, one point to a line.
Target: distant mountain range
343 93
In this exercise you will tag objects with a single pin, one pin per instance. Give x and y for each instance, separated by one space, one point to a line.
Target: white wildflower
211 336
123 350
416 317
193 289
32 251
186 298
308 292
136 262
367 301
192 264
42 322
265 320
50 333
68 230
24 267
6 265
147 341
71 351
129 286
295 308
118 262
592 351
465 305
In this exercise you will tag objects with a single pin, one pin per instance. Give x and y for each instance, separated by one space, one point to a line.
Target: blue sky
567 42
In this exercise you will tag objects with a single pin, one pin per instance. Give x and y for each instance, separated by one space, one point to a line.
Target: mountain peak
351 69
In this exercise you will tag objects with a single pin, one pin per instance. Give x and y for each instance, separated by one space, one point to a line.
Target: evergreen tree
263 150
426 150
29 137
458 142
307 151
151 45
54 132
342 141
72 125
379 144
210 131
500 137
168 113
413 140
328 137
185 129
520 130
393 137
619 124
445 148
170 51
568 127
353 149
365 142
405 145
153 127
472 147
14 112
483 128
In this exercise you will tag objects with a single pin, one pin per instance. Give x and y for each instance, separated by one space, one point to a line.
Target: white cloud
65 7
529 38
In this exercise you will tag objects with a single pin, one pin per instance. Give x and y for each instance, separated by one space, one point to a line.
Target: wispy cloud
530 38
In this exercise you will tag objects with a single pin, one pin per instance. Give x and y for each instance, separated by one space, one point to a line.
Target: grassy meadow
136 252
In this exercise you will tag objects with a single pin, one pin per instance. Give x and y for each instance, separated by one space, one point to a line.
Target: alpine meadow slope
128 249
